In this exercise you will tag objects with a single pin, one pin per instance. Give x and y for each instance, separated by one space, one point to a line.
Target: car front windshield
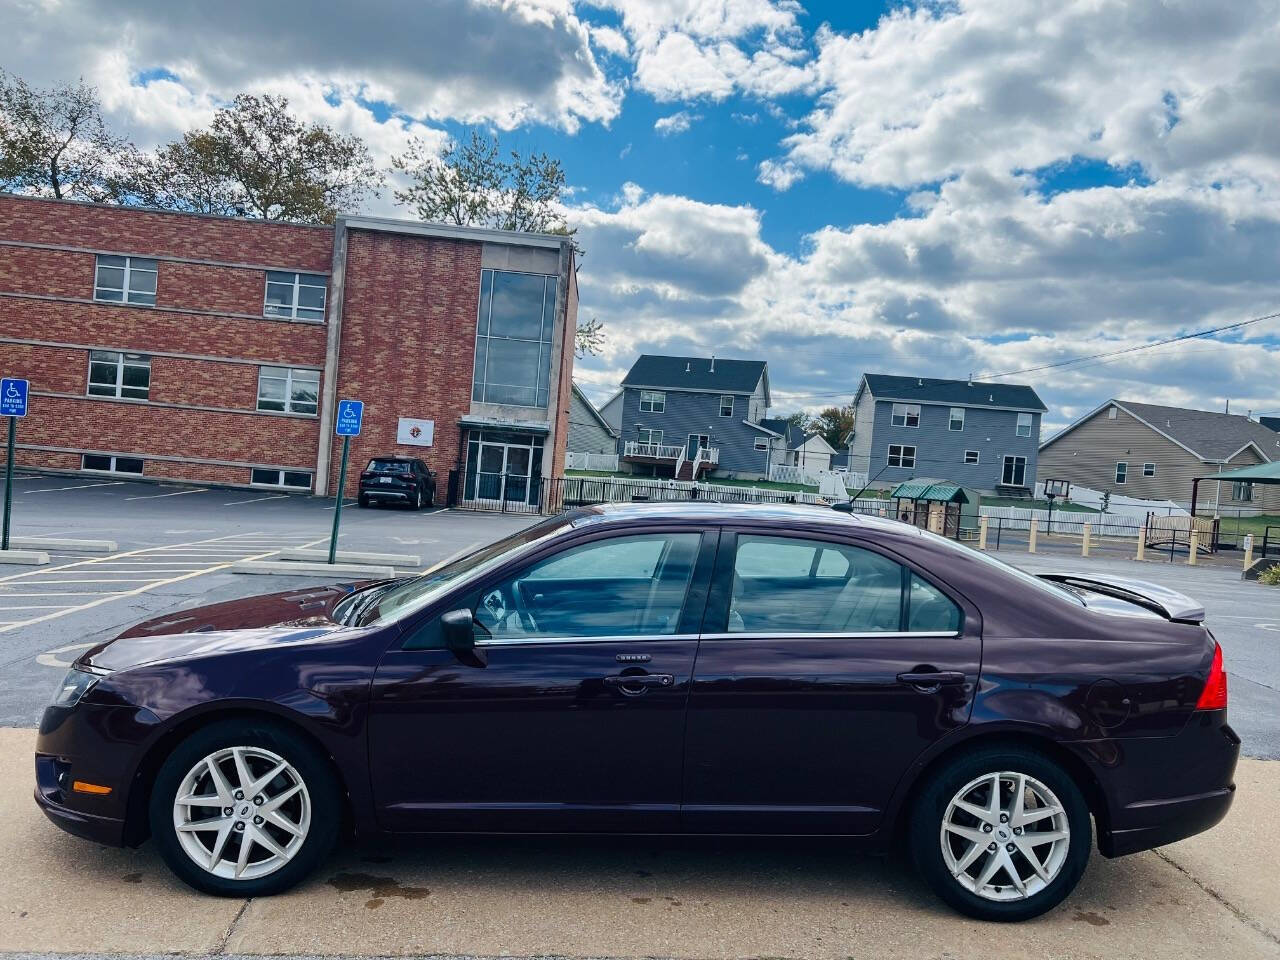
403 599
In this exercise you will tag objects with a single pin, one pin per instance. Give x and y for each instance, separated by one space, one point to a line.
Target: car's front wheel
1001 833
244 808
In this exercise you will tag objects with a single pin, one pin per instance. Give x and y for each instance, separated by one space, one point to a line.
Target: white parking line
63 593
41 606
236 503
176 493
79 486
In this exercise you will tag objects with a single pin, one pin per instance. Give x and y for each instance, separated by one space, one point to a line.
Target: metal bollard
1084 541
1142 542
982 533
1248 550
1195 546
1031 536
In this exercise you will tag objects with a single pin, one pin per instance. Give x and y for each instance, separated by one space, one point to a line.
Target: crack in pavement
1236 911
221 948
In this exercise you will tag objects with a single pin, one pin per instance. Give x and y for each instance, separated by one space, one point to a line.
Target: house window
1122 472
971 456
125 280
1024 425
513 338
125 375
1111 413
1015 472
956 421
762 443
902 456
288 390
94 461
1242 491
906 415
1148 469
653 401
648 435
726 406
298 296
289 479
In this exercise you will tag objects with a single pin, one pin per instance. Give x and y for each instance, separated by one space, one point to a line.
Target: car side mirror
459 631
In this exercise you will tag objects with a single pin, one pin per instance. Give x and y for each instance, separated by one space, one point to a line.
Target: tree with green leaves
834 424
471 184
54 142
799 419
256 159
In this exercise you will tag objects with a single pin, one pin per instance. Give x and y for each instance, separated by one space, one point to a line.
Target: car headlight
75 685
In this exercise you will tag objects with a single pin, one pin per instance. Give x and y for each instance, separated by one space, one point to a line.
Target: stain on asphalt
1092 918
380 888
640 899
132 878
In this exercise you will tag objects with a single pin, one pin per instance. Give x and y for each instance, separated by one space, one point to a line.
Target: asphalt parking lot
1217 894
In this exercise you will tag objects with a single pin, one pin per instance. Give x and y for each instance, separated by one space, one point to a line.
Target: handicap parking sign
13 398
350 414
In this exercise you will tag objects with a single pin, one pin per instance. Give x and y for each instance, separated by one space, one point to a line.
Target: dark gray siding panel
698 413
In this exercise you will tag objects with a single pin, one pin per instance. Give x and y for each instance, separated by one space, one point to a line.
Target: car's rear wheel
244 808
416 502
1001 833
362 500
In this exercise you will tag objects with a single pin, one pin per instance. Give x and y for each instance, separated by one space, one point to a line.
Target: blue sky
926 188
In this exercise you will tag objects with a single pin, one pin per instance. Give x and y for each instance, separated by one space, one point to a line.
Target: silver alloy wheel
242 813
1005 836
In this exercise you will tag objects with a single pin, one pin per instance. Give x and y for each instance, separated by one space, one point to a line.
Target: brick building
214 349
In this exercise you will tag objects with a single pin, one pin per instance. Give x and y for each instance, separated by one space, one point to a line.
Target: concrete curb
31 558
354 556
295 568
57 543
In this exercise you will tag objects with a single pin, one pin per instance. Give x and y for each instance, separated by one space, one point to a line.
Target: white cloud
675 124
779 174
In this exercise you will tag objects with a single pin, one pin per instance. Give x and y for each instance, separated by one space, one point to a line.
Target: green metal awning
1258 473
939 491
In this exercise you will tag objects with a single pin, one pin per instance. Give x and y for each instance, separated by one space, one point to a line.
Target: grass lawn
1230 526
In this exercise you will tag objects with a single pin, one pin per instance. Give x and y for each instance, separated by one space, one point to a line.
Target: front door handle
930 680
634 684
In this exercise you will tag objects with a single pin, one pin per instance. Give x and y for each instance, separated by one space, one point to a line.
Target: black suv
397 480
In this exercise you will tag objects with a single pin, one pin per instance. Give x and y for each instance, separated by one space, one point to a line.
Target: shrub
1271 575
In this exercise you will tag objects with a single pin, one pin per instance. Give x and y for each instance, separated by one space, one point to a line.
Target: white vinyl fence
577 460
625 489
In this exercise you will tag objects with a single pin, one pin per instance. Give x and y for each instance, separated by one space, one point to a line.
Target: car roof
720 513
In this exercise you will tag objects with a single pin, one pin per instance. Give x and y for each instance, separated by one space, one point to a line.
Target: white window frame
289 311
1025 421
1149 473
762 443
280 484
723 398
907 412
952 419
130 266
656 400
1015 457
977 457
902 456
288 390
1111 413
111 468
121 362
1242 491
1122 472
651 431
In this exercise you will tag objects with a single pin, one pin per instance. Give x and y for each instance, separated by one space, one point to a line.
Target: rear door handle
931 679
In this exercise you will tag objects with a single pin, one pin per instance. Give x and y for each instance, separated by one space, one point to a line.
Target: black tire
925 829
321 785
362 501
416 503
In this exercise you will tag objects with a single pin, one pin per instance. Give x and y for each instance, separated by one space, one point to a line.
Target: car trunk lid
1170 604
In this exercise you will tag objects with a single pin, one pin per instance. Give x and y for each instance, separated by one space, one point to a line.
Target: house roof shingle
969 393
794 436
696 373
1209 435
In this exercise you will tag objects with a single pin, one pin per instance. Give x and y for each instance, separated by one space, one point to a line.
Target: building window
648 435
1024 425
287 390
726 406
1242 491
513 338
1015 472
126 375
94 461
1148 469
902 456
125 280
971 456
1122 472
1111 413
956 421
289 479
653 401
298 296
906 415
762 443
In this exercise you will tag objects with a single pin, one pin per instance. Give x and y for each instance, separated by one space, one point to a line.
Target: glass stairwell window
513 338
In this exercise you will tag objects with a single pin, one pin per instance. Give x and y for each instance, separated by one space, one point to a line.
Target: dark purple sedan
697 669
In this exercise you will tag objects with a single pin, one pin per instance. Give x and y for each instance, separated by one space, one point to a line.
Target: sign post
13 404
346 425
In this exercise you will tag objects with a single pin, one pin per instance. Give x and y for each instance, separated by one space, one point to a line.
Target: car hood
126 652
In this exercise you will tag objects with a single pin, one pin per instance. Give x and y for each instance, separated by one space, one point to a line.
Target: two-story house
980 435
688 417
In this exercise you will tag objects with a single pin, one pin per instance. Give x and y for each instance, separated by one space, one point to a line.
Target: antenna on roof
713 363
1228 406
971 378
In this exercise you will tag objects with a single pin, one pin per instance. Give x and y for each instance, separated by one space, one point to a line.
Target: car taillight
1214 694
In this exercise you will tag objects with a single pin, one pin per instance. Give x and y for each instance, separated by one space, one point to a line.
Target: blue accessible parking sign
13 398
350 414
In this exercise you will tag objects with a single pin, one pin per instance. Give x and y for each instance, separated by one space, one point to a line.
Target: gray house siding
586 433
940 451
863 424
696 412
